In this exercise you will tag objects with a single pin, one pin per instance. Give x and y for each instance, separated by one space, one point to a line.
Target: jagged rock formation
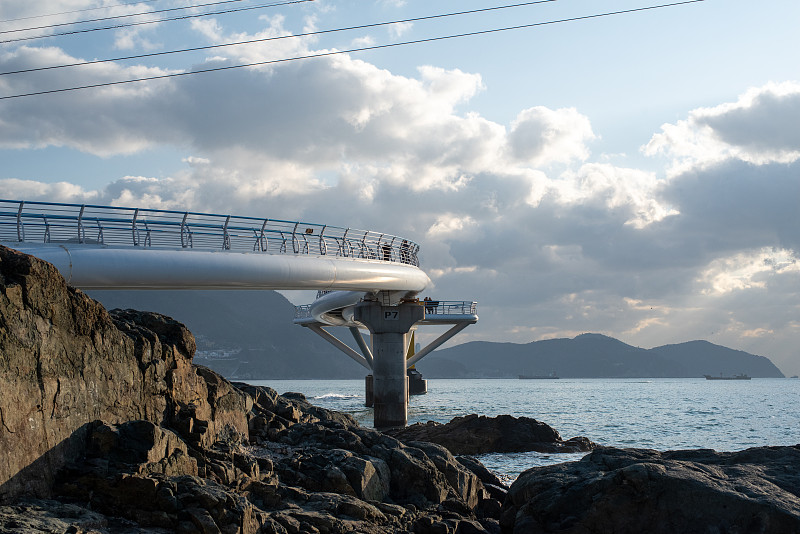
65 362
106 425
629 491
477 434
251 321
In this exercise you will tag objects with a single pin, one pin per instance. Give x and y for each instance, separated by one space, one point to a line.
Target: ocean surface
662 414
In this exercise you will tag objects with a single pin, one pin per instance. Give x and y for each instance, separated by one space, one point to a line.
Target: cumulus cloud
759 128
102 121
517 216
540 135
747 270
451 225
34 190
23 19
614 189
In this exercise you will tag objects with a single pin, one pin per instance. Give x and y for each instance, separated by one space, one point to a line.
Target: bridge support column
389 326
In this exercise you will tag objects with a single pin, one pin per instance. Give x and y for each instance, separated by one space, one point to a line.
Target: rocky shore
106 426
637 490
478 434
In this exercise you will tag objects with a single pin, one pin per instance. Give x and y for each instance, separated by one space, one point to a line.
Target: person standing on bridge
405 255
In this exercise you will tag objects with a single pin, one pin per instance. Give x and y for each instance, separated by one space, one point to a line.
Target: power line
113 17
168 19
352 50
45 15
266 39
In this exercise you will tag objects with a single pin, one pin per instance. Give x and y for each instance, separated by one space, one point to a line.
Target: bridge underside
106 267
389 354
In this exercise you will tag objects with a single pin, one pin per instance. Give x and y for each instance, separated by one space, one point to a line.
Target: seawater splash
337 396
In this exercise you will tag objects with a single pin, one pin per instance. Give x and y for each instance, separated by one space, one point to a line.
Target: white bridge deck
108 247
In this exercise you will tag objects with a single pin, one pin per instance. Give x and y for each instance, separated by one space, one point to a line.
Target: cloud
631 192
104 121
751 270
736 206
398 30
451 225
540 135
55 17
34 190
759 128
550 239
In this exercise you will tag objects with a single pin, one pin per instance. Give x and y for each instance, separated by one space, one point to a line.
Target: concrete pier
416 384
389 326
391 353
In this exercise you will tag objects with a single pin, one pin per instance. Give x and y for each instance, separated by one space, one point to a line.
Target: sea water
661 414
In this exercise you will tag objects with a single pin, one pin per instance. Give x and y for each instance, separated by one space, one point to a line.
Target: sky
635 175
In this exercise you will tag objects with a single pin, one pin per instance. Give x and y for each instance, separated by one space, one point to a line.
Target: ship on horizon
551 376
740 376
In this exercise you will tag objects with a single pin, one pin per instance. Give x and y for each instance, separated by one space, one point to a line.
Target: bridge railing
450 307
48 222
432 307
302 312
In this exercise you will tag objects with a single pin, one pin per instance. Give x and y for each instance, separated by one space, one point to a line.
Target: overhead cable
113 17
349 51
266 39
44 15
156 21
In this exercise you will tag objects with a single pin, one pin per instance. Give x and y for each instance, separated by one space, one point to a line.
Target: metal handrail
450 307
50 222
432 307
302 312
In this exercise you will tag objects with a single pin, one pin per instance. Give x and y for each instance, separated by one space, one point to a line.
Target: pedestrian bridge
106 247
362 276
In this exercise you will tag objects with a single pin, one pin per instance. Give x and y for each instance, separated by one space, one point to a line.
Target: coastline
113 429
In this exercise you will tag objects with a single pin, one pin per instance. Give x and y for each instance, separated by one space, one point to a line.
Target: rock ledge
479 434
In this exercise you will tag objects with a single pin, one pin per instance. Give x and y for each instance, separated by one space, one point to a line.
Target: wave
337 396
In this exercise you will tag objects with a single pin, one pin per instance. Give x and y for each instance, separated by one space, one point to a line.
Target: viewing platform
110 247
49 222
442 312
365 279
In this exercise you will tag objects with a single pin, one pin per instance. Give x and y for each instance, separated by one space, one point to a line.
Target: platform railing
432 307
302 312
48 222
450 307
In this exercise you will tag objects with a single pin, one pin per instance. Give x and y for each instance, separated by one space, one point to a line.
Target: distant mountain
592 356
257 324
704 358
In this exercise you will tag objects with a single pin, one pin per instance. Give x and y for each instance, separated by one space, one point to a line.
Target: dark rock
470 527
490 508
106 412
632 490
106 416
35 516
485 476
496 492
467 485
474 434
66 362
492 526
139 447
